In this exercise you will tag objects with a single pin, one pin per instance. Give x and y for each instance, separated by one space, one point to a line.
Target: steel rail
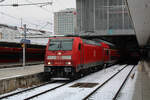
45 91
9 95
90 94
116 95
50 90
28 4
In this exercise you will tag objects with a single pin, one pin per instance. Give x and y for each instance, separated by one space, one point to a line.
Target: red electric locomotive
66 56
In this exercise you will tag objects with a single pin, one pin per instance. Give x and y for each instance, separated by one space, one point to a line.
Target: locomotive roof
61 37
74 36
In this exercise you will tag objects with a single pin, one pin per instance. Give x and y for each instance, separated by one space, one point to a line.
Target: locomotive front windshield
60 44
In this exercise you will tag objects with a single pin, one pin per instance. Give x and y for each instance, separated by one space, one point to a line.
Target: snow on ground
73 93
108 91
17 90
77 93
127 91
33 92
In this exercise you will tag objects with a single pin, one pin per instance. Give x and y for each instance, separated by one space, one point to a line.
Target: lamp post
24 46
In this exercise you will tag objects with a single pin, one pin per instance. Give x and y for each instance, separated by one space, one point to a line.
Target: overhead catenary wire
48 23
10 16
1 1
2 13
40 6
43 8
29 4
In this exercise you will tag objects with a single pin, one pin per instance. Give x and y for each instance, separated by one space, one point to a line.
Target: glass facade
112 14
7 33
106 16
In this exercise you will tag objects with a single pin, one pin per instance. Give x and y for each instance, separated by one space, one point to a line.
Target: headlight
49 63
68 63
51 57
66 57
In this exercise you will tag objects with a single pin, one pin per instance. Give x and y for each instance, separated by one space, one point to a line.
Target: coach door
81 49
107 55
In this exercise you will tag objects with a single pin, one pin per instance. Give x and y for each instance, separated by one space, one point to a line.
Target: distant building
13 33
65 22
8 32
0 35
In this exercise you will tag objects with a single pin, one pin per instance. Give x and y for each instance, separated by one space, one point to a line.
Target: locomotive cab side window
79 47
91 42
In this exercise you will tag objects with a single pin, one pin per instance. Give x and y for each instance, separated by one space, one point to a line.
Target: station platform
142 85
138 85
20 71
10 65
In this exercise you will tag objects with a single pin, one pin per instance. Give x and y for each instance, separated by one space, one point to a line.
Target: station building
15 34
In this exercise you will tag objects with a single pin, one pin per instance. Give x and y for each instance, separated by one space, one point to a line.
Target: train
12 53
66 57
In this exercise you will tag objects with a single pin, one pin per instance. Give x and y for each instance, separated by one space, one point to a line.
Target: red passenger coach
12 53
110 54
66 56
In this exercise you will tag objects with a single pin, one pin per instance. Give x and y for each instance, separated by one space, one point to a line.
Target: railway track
37 94
45 91
16 93
115 96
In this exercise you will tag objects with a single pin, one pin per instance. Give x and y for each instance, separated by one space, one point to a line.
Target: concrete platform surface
139 86
142 85
20 71
19 64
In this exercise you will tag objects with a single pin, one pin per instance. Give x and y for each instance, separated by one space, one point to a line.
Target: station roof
139 12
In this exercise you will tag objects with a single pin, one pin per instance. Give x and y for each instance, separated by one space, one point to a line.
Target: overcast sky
33 16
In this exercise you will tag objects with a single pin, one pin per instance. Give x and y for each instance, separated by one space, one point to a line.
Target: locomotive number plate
58 57
57 63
